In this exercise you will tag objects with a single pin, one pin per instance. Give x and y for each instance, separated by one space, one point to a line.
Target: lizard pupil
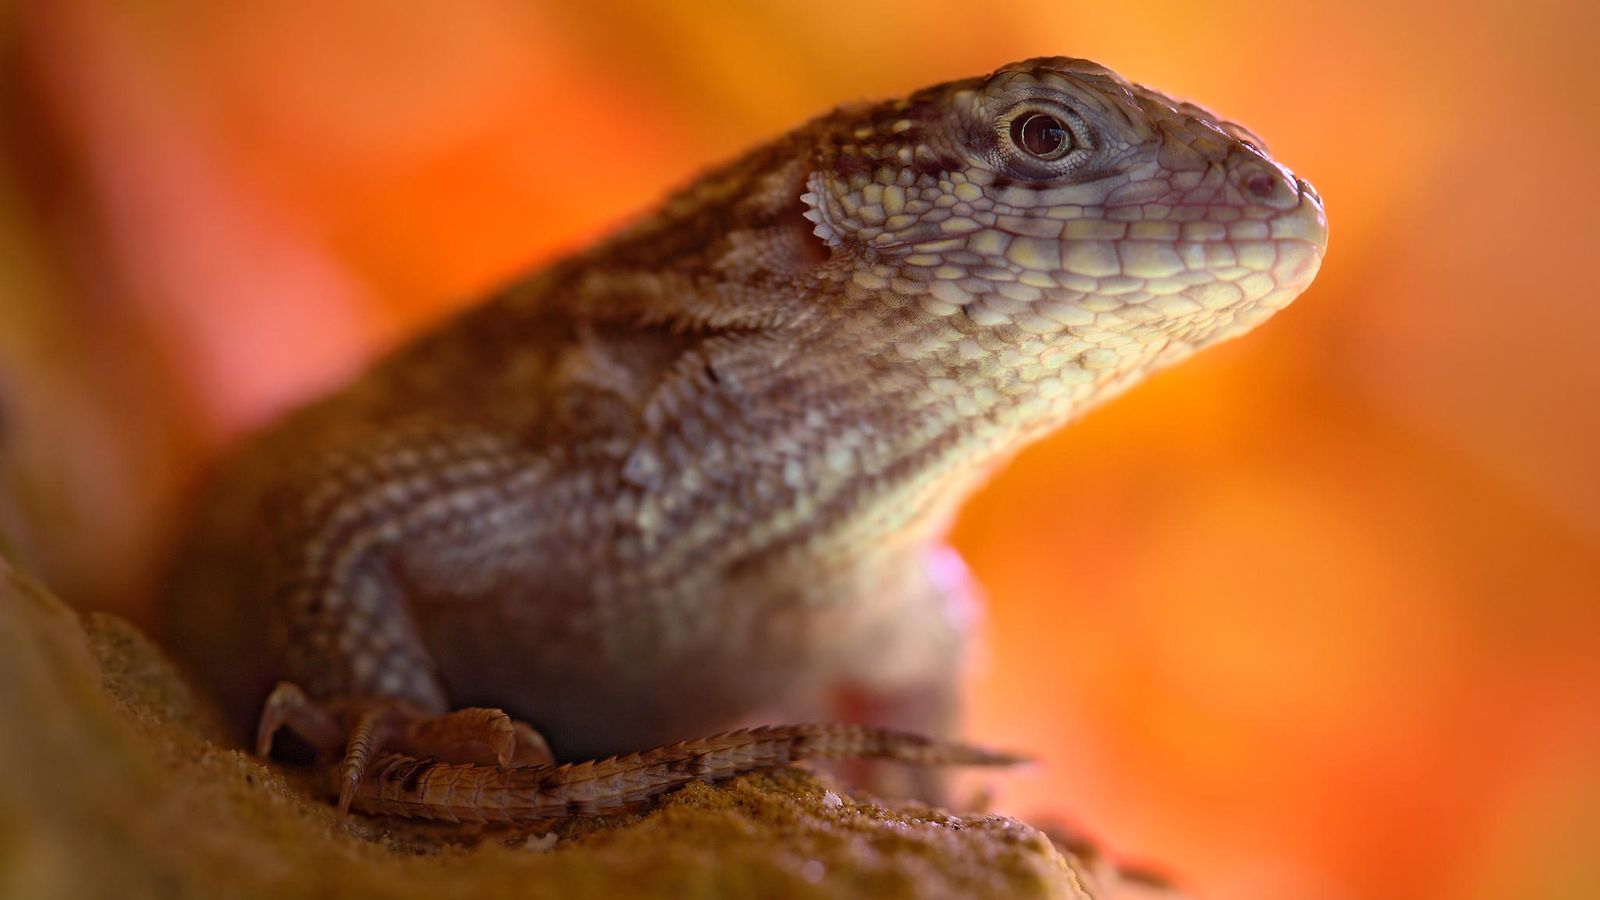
1041 135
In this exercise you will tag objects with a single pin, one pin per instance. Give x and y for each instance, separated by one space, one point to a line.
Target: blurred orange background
1315 616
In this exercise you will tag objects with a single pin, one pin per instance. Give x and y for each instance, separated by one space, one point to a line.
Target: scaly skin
418 788
699 474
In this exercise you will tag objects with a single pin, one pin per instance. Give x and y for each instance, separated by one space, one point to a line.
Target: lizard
699 475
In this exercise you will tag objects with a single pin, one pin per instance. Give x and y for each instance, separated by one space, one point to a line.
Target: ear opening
815 202
801 221
796 239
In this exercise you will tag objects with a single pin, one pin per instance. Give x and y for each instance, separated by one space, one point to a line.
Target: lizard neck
856 426
815 406
929 406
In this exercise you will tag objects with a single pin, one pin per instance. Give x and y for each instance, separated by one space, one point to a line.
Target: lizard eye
1041 140
1041 135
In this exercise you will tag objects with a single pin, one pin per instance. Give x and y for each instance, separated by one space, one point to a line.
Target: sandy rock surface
114 782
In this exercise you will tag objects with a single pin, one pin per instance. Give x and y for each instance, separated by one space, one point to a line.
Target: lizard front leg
361 729
358 678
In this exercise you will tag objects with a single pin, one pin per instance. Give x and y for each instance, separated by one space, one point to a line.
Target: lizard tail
428 789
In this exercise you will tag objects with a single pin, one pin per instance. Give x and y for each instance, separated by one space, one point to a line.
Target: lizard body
698 474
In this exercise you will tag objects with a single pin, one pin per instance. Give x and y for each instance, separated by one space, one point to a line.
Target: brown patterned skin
699 474
429 789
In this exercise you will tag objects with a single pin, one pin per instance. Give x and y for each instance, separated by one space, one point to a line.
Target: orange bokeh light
1315 616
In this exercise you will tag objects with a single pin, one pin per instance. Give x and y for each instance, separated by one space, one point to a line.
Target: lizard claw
287 705
357 731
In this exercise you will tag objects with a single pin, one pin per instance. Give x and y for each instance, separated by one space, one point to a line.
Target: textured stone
114 782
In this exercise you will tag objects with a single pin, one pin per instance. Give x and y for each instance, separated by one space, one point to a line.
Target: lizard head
1055 206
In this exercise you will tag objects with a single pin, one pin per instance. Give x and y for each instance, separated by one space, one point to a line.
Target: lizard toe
476 734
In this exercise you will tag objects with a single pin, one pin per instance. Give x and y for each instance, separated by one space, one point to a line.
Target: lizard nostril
1260 184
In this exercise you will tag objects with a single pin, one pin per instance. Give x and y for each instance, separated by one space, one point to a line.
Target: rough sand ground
113 783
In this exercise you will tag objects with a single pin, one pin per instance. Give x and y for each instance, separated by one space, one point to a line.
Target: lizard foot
356 730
